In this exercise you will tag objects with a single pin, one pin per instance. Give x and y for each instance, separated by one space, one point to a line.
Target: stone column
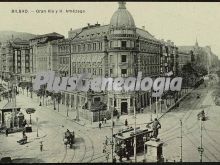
129 106
119 105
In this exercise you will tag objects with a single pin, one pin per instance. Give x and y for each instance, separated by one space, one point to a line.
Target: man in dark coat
156 126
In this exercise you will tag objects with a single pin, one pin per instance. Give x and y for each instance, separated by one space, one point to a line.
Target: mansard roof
54 34
101 31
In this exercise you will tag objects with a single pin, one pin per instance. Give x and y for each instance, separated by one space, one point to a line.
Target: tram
124 141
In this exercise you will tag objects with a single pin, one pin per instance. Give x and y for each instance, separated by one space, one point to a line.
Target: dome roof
122 17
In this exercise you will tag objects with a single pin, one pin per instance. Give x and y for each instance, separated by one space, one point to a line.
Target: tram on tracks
124 141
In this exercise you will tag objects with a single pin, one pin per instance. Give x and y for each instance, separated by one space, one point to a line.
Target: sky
180 22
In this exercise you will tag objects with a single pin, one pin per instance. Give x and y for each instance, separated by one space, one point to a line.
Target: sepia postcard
109 82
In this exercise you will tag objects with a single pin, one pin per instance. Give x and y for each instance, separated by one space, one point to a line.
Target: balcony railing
123 64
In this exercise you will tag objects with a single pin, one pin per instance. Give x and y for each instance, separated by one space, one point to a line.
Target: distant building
169 58
202 55
44 52
16 59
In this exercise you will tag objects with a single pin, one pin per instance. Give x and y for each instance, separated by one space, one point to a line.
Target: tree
30 111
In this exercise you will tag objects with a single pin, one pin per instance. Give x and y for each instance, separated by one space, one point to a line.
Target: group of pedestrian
104 121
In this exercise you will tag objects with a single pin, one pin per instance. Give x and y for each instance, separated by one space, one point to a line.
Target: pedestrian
41 146
126 122
23 133
105 120
104 148
113 124
142 109
118 116
106 140
102 120
6 132
156 126
100 125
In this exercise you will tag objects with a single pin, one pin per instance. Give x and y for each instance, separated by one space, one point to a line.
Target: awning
66 68
61 68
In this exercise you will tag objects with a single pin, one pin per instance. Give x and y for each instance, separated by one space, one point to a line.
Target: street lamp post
30 118
135 142
31 88
160 100
54 101
37 126
156 108
151 109
181 141
144 140
112 125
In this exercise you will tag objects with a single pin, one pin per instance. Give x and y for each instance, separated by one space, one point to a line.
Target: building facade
119 49
44 52
16 59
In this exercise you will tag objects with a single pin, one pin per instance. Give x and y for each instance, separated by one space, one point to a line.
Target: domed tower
121 54
122 37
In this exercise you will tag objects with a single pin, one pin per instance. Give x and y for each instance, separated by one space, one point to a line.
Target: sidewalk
141 118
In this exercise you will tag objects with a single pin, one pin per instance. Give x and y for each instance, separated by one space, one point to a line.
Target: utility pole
113 100
37 126
135 142
181 141
77 107
156 108
201 149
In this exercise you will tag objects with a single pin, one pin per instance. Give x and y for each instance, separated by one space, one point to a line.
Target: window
18 58
131 102
124 71
123 44
123 58
111 71
74 48
94 71
26 51
79 48
89 47
83 82
84 47
100 71
111 44
100 46
94 46
111 58
132 44
26 57
97 99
